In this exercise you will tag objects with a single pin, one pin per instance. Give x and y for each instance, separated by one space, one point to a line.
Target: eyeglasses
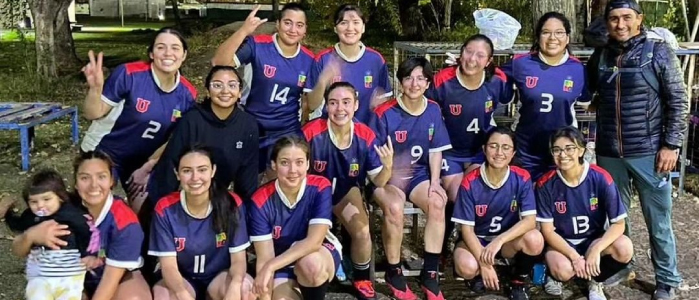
503 147
557 34
218 85
478 55
569 150
419 79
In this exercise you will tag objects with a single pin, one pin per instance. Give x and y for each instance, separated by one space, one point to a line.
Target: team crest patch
101 254
302 80
481 209
368 80
568 85
220 240
319 165
142 105
531 81
594 203
513 205
354 168
455 109
489 105
270 71
401 136
561 207
239 145
176 114
430 132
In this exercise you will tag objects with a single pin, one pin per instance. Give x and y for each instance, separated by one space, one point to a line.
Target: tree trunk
597 7
406 10
568 8
275 10
66 59
693 8
446 22
45 12
176 14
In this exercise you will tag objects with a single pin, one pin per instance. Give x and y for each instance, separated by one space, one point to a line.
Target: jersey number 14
279 95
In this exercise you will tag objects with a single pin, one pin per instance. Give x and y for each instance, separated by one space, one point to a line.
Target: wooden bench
24 116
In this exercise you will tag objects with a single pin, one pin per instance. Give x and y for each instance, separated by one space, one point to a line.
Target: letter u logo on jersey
481 210
179 244
270 71
277 233
142 105
401 136
561 207
531 81
455 109
319 165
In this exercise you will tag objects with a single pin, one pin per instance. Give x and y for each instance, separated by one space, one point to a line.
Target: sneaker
553 287
401 295
595 290
621 276
663 292
364 290
518 291
476 285
431 296
429 283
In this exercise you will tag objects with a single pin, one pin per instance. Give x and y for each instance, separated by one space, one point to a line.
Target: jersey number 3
546 100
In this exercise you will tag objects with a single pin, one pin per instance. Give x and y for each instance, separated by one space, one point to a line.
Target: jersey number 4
153 128
279 95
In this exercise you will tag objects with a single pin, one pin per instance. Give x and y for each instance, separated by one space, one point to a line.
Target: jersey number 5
279 95
546 100
495 225
153 128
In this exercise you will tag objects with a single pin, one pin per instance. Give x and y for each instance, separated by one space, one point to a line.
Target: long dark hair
540 27
169 30
571 133
490 69
210 76
79 160
224 213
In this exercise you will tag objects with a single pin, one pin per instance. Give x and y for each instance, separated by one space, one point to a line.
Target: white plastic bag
500 27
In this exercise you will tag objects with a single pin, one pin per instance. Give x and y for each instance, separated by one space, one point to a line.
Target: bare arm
471 240
265 252
556 242
614 231
523 226
312 243
225 53
108 283
385 154
237 273
94 108
47 233
172 277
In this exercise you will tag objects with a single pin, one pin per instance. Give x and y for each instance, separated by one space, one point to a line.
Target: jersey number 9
416 153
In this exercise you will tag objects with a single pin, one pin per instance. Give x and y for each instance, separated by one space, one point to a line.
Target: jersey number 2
279 95
153 128
199 262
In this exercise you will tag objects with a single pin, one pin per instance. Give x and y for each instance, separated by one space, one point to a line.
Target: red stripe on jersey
470 177
607 177
323 52
545 178
166 202
263 39
500 74
137 66
521 172
444 75
189 87
364 133
573 58
263 194
314 128
383 107
123 215
307 51
383 61
236 198
319 182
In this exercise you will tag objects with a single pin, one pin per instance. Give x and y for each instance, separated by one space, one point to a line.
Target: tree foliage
12 12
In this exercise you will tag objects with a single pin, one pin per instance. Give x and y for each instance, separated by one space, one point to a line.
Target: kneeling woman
497 212
575 204
290 221
199 236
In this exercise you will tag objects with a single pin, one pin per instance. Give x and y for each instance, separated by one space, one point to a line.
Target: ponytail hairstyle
79 160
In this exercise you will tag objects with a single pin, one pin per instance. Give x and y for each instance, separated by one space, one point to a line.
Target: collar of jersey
458 71
157 81
560 62
487 182
333 138
286 200
183 202
586 168
105 209
279 49
402 106
362 48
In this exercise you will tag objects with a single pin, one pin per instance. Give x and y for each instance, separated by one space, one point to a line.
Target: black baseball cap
615 4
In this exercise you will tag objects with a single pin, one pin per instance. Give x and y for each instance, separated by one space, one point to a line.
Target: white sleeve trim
464 222
260 238
109 101
528 213
375 171
386 95
544 220
307 90
619 218
440 149
161 254
239 248
129 265
236 61
320 221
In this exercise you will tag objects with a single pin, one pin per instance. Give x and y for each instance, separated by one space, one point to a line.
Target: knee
560 268
362 235
533 242
436 208
394 213
623 249
467 268
309 269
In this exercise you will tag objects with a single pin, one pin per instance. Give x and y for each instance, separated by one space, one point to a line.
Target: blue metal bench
24 116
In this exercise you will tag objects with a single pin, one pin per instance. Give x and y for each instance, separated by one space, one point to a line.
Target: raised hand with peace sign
252 21
93 71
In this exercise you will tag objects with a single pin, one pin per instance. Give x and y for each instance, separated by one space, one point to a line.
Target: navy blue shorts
582 247
407 185
288 271
452 166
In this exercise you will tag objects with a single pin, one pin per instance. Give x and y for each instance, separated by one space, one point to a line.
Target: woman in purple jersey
474 254
202 200
602 258
133 114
